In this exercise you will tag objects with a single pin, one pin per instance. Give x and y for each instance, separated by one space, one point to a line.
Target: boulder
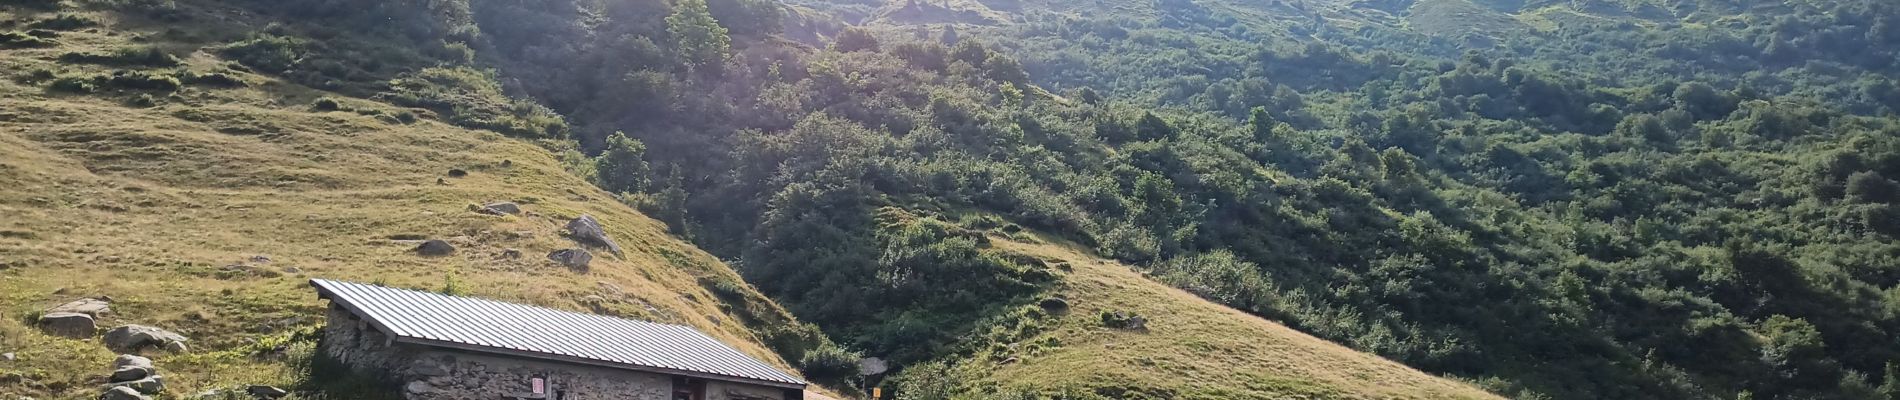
266 392
128 360
128 374
587 230
132 338
88 306
122 393
435 248
68 324
457 173
502 208
8 357
150 385
574 259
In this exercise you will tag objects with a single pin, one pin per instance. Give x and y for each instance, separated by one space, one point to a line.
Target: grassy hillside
207 210
1191 348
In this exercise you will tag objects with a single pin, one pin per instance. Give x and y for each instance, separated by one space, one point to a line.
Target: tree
1151 127
622 167
854 39
701 41
1890 387
1870 187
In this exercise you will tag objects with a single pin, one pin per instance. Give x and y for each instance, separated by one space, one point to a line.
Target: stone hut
441 347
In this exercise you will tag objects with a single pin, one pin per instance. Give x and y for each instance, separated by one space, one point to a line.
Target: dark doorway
685 388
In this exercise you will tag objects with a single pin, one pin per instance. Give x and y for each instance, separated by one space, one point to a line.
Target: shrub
40 4
830 365
74 84
326 104
143 100
266 53
141 80
16 40
64 22
217 79
39 75
125 57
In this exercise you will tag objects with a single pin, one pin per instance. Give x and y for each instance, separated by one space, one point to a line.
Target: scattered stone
88 306
587 230
1124 320
266 392
212 394
507 163
511 254
435 248
502 208
440 181
149 385
260 259
122 393
575 259
69 325
8 357
457 173
132 338
292 270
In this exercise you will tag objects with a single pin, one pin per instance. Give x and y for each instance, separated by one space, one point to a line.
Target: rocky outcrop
88 306
435 248
68 324
574 259
587 230
502 208
129 367
132 338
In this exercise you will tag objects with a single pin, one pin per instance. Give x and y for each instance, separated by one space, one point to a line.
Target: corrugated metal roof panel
436 319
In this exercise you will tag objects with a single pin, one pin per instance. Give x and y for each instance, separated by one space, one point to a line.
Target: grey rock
502 208
132 338
435 248
1054 305
575 259
419 387
427 368
68 324
266 392
128 374
128 360
88 306
8 357
150 385
122 393
587 230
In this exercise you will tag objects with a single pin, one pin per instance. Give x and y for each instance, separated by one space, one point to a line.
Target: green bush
266 53
64 22
472 98
830 365
326 104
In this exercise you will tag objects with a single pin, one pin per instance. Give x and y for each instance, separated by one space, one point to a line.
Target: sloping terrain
1190 348
207 210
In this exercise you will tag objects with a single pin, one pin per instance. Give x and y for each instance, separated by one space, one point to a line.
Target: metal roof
481 325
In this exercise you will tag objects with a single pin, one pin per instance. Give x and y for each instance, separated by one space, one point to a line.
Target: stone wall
431 373
353 342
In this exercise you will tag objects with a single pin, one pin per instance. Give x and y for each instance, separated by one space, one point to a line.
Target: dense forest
1689 200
